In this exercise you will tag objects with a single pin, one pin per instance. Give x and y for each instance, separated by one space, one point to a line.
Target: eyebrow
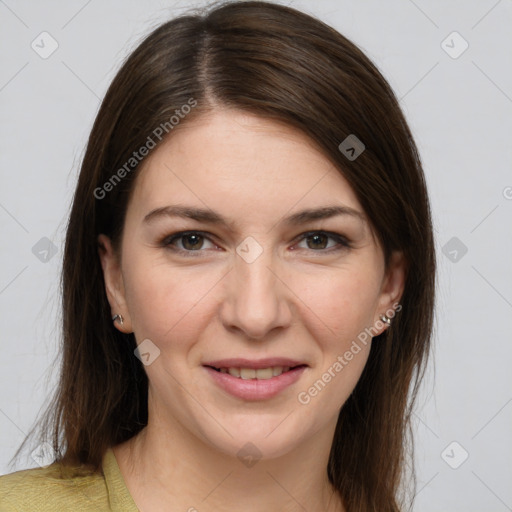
212 217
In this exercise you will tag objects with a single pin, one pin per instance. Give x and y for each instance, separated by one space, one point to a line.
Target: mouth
255 373
255 380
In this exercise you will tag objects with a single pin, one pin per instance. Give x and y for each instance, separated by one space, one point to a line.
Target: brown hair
281 64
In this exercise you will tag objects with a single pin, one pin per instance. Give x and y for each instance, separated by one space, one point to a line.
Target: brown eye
188 242
192 242
317 241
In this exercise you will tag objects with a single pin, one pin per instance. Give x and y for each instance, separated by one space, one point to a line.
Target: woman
248 280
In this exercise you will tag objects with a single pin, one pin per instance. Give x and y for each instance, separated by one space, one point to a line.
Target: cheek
343 308
342 302
166 303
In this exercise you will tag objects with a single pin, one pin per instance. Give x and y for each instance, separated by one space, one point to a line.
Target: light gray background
460 111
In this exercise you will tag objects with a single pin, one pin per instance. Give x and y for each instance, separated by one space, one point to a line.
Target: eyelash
343 243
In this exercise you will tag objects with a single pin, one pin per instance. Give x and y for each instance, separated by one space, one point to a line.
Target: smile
254 383
252 373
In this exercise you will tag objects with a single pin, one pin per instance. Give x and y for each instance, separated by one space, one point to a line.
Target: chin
256 437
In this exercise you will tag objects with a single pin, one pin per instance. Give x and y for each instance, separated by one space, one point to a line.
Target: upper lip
240 362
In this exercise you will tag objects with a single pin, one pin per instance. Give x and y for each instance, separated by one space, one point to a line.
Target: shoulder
52 488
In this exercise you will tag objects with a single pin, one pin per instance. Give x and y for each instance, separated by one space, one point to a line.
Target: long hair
281 64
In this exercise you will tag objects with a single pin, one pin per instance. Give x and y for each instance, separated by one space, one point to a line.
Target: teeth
277 370
235 372
248 373
260 373
264 373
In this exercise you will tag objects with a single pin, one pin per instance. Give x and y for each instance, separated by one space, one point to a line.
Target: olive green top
47 489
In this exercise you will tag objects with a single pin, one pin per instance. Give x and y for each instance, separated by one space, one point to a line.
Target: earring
385 319
118 317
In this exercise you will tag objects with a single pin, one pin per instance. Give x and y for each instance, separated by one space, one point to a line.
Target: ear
391 291
114 284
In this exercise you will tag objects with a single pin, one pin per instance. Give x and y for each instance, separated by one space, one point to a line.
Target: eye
187 241
318 241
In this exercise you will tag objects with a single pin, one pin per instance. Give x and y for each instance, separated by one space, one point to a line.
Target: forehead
236 162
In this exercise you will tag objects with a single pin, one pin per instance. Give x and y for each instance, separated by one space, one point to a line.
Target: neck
166 464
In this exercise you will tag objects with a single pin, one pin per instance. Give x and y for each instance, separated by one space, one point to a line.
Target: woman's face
253 288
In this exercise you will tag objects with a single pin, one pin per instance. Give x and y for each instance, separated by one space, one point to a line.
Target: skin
298 299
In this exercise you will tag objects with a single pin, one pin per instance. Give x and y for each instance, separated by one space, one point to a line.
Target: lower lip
254 389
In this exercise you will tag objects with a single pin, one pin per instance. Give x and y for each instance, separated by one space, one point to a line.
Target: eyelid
166 242
343 241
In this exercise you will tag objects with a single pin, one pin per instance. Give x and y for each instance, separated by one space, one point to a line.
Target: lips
262 369
255 379
251 373
240 362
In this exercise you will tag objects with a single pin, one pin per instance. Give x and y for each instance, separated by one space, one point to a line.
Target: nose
258 299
